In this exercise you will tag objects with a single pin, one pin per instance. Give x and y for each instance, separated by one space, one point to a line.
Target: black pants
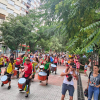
8 75
47 71
17 66
0 68
56 67
27 79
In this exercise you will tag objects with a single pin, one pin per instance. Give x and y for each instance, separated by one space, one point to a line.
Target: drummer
1 62
25 57
47 65
17 64
35 66
27 75
9 71
55 62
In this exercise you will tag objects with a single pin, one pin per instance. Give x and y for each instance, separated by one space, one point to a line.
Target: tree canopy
69 25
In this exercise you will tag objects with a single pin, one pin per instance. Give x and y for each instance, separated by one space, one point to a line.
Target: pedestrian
94 83
9 72
68 83
88 68
85 68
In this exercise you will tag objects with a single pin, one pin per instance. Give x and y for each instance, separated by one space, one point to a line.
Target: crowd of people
28 64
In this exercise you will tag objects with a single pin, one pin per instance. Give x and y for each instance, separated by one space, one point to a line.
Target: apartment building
20 7
15 7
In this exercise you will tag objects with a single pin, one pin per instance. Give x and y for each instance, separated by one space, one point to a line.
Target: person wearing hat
27 75
68 83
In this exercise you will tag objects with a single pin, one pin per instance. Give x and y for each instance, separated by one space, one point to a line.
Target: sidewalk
38 91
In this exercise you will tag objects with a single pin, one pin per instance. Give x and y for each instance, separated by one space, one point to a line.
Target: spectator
12 55
94 83
84 56
68 83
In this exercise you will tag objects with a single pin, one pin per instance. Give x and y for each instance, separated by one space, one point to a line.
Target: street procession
25 66
50 49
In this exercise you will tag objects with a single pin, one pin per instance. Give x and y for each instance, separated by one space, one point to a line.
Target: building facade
16 7
20 7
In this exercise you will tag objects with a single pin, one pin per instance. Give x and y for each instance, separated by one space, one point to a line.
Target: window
33 1
15 14
23 3
10 11
17 7
10 2
32 6
23 9
2 6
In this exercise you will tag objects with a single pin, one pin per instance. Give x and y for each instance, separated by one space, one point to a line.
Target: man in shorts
68 83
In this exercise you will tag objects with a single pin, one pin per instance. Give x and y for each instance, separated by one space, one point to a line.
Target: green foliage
83 61
70 25
13 32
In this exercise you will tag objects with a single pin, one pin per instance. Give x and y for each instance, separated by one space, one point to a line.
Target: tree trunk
32 47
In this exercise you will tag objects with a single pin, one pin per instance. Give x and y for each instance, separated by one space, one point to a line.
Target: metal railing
80 94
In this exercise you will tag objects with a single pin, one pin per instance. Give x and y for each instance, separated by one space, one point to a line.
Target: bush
83 61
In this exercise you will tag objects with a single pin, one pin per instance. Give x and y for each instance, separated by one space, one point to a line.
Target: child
78 66
9 72
85 68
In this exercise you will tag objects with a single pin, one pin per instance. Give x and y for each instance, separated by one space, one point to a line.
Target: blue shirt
86 66
51 59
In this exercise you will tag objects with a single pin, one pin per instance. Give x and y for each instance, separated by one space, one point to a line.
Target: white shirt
84 56
88 68
43 55
66 81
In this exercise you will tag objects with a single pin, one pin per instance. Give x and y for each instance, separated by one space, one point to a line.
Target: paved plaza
38 91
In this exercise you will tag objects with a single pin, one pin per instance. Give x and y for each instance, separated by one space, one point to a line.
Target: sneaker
21 90
26 96
9 87
2 85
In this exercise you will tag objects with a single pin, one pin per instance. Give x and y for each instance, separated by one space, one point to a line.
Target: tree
13 32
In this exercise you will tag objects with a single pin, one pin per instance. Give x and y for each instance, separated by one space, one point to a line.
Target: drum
22 67
53 67
42 76
15 71
21 83
41 67
4 79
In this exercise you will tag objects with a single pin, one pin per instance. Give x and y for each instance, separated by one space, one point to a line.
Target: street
38 91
